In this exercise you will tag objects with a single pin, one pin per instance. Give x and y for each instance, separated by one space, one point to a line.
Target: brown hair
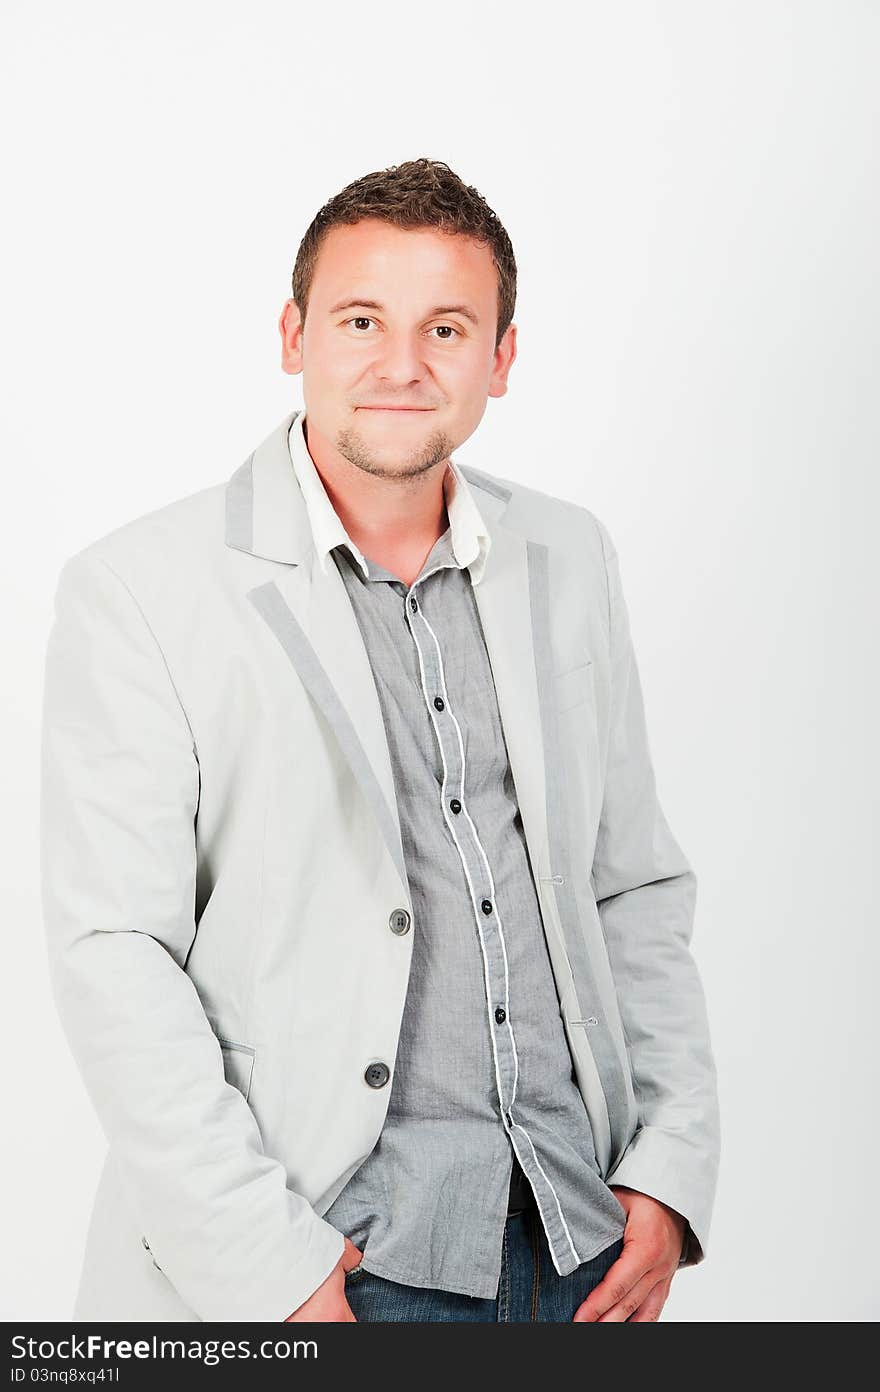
419 193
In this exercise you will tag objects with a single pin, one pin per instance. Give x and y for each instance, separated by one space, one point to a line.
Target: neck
397 518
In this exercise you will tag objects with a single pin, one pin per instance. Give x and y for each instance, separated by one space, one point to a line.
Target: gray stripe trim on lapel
269 602
601 1040
240 507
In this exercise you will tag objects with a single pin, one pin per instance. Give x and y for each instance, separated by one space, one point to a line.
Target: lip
398 410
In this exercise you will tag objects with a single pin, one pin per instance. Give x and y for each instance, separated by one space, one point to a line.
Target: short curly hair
419 193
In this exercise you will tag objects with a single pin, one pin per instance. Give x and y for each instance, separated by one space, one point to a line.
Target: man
366 927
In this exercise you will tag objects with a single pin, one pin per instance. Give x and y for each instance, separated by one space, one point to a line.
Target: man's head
403 295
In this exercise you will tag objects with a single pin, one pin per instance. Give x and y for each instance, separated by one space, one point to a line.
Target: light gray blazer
222 881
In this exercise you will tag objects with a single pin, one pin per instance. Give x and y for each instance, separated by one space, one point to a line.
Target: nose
399 360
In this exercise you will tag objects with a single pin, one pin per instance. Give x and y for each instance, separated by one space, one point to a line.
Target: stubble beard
437 447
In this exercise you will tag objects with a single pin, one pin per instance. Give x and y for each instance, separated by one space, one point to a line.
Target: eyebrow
462 309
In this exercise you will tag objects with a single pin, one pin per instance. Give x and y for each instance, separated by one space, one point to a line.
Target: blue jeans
529 1288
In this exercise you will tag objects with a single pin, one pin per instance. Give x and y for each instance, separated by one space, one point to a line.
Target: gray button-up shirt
483 1071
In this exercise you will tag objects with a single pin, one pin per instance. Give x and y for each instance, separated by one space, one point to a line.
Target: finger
618 1281
650 1308
632 1301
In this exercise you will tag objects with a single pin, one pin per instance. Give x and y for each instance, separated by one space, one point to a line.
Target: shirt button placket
469 850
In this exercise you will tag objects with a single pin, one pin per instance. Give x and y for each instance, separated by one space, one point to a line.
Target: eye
360 319
451 328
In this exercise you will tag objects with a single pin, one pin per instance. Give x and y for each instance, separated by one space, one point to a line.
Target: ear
505 354
290 326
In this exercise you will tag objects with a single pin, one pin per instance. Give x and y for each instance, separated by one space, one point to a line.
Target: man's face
398 348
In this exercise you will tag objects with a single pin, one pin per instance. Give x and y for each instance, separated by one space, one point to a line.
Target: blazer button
377 1074
399 921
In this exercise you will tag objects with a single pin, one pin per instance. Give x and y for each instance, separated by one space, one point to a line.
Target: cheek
464 383
332 373
330 353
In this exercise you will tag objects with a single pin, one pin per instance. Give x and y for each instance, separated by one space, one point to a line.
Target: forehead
378 259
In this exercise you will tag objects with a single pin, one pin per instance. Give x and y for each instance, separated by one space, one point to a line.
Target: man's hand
328 1304
635 1288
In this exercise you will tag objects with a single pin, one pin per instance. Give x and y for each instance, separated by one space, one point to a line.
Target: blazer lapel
311 616
503 599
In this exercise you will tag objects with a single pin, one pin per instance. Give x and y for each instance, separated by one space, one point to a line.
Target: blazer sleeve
645 893
118 804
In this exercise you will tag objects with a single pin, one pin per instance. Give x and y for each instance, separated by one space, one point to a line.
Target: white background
691 190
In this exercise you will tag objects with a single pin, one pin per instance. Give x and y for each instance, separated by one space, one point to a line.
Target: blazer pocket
574 686
238 1064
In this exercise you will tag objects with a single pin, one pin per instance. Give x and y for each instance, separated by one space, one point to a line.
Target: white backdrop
692 193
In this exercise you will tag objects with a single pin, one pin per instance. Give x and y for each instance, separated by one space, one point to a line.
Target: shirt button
486 906
501 1014
439 702
413 604
377 1074
455 805
399 921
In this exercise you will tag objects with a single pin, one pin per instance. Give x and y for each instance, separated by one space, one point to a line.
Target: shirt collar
468 532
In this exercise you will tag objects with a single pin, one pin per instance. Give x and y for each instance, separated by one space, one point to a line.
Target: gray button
377 1074
399 921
